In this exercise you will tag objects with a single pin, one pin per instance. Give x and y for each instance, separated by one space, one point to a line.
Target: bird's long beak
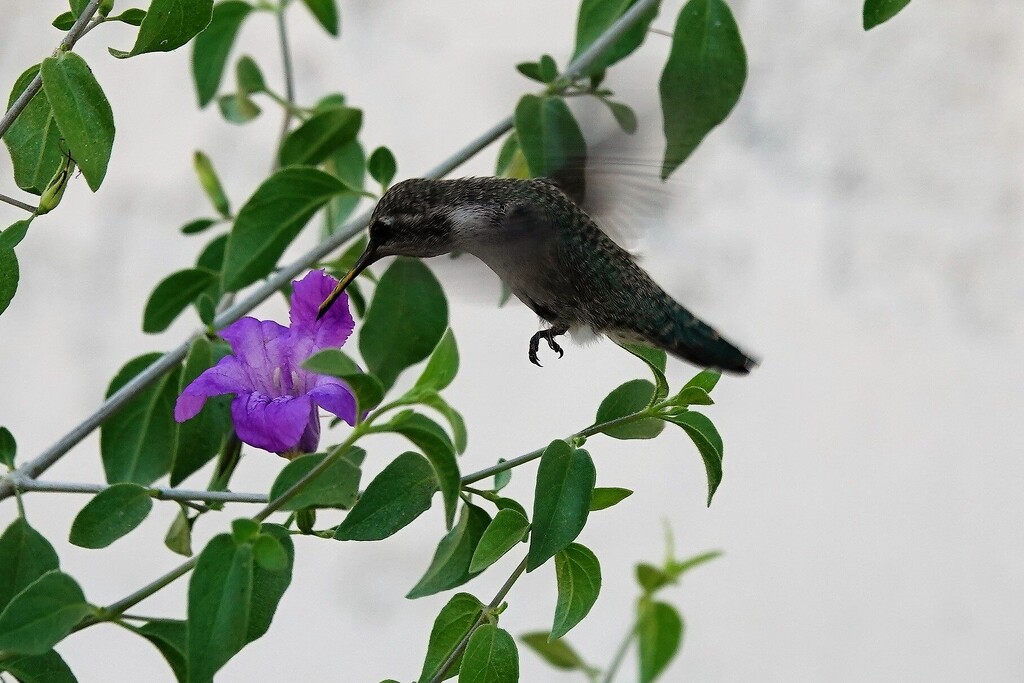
368 257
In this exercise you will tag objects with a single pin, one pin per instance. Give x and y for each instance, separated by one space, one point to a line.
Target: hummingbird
550 253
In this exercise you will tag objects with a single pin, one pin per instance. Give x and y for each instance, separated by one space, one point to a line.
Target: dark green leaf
249 77
624 115
565 483
627 399
655 360
200 438
132 17
25 555
198 225
382 166
433 443
506 530
64 21
78 6
9 274
337 486
111 514
450 566
42 614
531 70
170 638
137 443
33 140
606 497
14 234
348 164
8 447
367 388
547 68
406 320
269 553
705 379
179 535
45 668
660 631
271 219
708 452
702 424
880 11
596 17
173 295
508 504
555 652
693 396
168 25
452 624
237 108
702 79
442 366
395 497
458 425
211 183
82 113
320 136
505 155
491 657
549 136
334 362
578 574
326 12
269 585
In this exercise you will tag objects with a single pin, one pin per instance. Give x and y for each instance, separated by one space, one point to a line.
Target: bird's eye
381 228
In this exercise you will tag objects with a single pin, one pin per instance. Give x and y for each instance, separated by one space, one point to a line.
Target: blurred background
856 223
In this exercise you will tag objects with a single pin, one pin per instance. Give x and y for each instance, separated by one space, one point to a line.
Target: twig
159 493
289 79
14 202
76 32
620 654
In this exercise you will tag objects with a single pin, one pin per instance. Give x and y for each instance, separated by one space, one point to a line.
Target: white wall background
857 222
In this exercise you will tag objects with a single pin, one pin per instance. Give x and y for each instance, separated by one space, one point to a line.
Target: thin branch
14 202
457 652
620 654
289 79
76 32
159 493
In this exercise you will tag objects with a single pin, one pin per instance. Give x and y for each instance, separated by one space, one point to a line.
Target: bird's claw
549 337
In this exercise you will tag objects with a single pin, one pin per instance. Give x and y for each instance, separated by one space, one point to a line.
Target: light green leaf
660 631
382 166
395 497
111 514
692 396
705 379
578 574
442 366
326 12
503 533
676 568
565 484
880 11
337 486
452 624
271 219
82 112
25 555
491 657
168 25
249 77
555 652
628 399
348 164
333 362
548 134
269 553
652 578
15 233
173 295
624 115
320 136
33 140
42 614
407 318
606 497
596 17
211 183
702 79
237 108
450 566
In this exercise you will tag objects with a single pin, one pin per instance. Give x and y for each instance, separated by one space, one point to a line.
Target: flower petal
261 346
334 328
228 376
335 397
273 424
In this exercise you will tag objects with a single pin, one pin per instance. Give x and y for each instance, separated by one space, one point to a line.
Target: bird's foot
548 336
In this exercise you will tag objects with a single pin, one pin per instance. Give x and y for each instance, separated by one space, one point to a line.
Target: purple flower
276 400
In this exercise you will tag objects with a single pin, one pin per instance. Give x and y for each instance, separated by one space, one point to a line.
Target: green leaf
367 388
702 79
111 514
701 423
201 438
548 134
45 668
179 536
506 530
82 113
458 425
326 12
337 486
555 652
491 657
64 21
709 453
269 553
237 108
25 555
660 631
624 115
627 399
320 136
198 225
452 624
269 585
249 77
511 163
8 447
706 380
244 530
168 25
9 274
42 614
406 320
880 11
450 566
395 497
431 439
508 504
348 164
211 183
137 443
170 638
578 574
33 140
15 233
655 359
382 166
596 17
690 396
333 362
271 219
652 578
676 568
442 366
531 70
606 497
547 68
173 295
565 483
132 17
502 478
